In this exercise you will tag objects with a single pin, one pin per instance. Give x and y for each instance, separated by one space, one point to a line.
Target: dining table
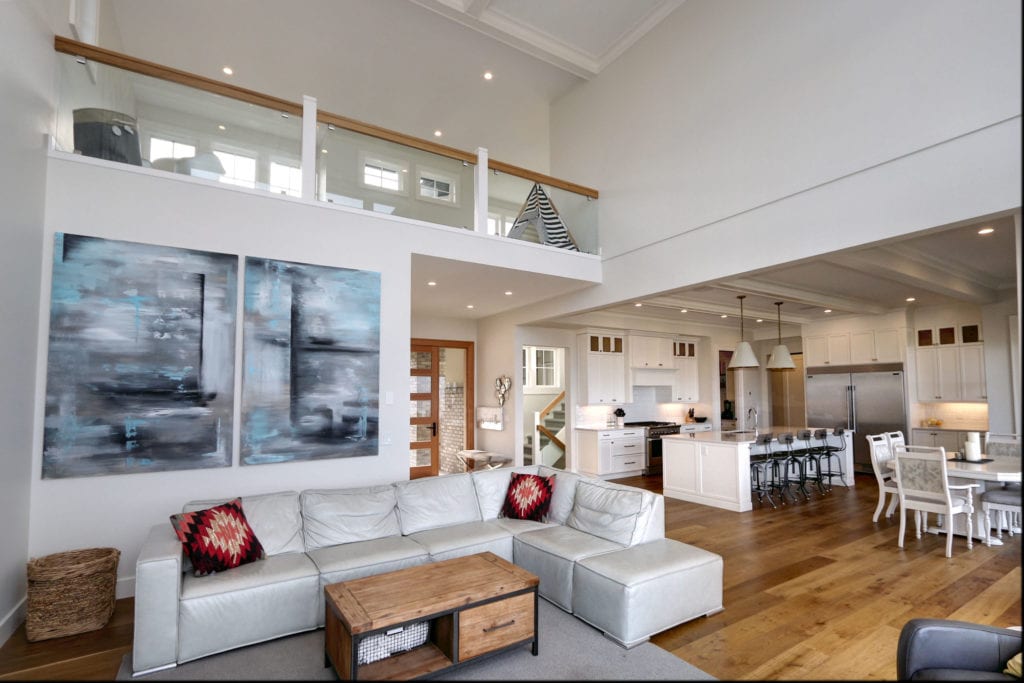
986 473
960 472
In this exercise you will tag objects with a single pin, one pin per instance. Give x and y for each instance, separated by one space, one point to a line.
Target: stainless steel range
653 431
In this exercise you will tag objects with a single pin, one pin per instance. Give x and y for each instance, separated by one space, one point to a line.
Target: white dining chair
998 447
924 487
881 455
1005 502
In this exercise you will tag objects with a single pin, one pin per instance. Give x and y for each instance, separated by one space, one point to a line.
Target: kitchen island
713 468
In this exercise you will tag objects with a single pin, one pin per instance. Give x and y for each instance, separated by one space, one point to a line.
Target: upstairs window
542 370
239 169
160 148
437 186
383 174
285 179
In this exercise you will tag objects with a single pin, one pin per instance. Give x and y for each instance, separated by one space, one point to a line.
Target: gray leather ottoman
634 593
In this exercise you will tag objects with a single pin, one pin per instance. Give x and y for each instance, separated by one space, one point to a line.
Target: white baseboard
12 620
125 587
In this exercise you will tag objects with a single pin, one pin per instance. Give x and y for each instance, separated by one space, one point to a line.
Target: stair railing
540 427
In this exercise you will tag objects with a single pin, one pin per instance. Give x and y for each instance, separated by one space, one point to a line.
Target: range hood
647 377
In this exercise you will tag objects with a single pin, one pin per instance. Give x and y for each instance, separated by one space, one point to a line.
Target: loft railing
127 109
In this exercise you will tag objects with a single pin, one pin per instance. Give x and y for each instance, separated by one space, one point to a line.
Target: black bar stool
763 472
784 461
810 456
830 464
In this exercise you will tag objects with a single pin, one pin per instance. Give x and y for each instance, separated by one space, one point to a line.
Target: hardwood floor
813 590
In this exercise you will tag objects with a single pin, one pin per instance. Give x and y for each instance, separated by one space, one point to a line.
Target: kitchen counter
713 468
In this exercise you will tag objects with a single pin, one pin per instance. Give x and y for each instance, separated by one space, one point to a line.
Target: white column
308 147
480 191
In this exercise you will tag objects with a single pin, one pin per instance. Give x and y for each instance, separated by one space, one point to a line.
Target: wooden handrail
554 439
551 406
141 66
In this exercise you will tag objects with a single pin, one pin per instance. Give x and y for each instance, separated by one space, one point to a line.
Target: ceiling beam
906 266
798 295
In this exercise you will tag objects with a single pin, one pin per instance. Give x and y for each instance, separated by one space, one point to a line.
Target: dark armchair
945 650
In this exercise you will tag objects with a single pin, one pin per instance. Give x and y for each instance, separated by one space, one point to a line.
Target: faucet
752 412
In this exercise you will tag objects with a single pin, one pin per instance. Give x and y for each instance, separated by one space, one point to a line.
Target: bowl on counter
701 419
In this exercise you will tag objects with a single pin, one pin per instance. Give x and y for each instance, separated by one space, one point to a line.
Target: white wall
26 79
92 197
995 325
727 106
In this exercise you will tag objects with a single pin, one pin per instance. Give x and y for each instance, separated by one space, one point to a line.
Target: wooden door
441 406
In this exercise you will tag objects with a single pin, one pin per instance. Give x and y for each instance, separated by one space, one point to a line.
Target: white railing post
308 147
480 191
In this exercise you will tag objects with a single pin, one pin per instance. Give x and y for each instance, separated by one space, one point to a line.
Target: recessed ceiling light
724 316
488 75
431 284
323 151
986 231
221 126
760 320
828 310
228 71
508 293
910 298
638 304
682 310
469 305
437 133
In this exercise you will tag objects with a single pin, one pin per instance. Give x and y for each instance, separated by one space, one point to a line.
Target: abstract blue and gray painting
140 372
311 359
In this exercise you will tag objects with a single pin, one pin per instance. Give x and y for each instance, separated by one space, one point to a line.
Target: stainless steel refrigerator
865 399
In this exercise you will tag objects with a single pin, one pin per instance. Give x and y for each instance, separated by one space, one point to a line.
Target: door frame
469 348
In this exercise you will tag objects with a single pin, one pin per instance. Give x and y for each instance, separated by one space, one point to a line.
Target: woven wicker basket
70 592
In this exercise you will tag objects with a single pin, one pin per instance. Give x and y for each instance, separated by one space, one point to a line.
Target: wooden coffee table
474 605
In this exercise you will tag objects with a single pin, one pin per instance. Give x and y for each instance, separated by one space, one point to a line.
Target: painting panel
140 366
311 359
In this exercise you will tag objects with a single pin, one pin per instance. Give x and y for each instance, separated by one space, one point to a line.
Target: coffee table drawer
495 625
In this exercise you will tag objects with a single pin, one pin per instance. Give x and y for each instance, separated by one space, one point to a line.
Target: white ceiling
580 36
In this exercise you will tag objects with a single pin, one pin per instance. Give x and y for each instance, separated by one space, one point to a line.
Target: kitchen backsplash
964 416
649 403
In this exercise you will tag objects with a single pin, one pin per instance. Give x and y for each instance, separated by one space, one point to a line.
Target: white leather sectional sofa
602 555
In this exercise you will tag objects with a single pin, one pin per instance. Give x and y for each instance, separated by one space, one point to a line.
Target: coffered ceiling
579 36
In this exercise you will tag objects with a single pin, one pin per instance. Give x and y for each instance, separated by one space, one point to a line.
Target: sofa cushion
433 502
562 495
465 539
218 538
528 497
274 517
518 526
608 512
335 516
491 486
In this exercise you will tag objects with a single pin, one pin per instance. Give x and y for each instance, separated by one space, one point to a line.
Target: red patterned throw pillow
528 497
217 538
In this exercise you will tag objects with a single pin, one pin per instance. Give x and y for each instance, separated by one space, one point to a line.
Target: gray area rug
569 650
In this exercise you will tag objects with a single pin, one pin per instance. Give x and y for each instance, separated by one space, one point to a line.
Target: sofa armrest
948 644
656 526
157 593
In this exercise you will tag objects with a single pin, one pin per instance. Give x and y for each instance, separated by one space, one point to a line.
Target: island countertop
745 436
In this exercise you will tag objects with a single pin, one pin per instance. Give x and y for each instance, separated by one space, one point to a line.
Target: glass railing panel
117 114
379 175
509 195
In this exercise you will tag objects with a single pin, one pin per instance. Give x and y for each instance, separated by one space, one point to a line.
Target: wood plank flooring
813 591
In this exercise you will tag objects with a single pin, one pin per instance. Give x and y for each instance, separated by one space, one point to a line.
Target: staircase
550 423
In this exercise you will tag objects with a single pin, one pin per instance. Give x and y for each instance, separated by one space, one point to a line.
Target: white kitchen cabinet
602 372
972 373
831 349
707 472
875 346
952 441
951 373
686 387
650 352
611 451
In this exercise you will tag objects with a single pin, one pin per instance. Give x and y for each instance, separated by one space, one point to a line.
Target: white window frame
182 136
434 174
374 159
530 385
283 161
225 179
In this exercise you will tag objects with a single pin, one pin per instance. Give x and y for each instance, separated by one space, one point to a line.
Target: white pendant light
743 356
780 358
